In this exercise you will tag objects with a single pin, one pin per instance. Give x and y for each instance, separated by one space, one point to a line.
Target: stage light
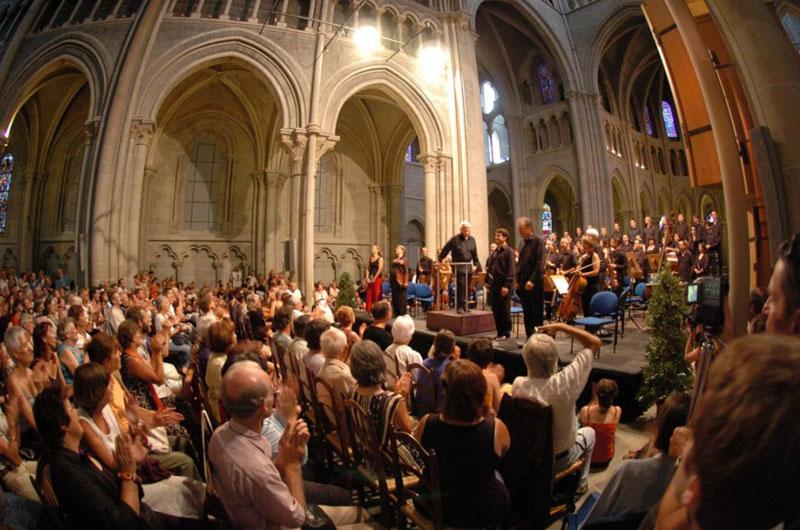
367 39
432 62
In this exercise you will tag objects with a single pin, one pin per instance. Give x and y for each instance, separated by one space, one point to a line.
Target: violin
571 304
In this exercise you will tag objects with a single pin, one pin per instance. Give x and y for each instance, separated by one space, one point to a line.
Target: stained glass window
547 84
202 185
499 139
547 220
648 122
6 169
669 119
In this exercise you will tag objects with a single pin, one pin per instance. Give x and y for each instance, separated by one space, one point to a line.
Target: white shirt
560 391
405 355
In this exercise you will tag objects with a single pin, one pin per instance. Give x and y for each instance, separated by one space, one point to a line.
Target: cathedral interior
192 138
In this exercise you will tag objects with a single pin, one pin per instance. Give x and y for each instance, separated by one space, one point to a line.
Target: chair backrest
335 420
411 291
527 468
427 495
366 450
393 372
214 510
604 303
424 290
295 366
419 374
386 289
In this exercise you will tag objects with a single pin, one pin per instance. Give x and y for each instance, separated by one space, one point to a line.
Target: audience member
399 352
221 336
602 416
430 392
314 360
376 332
468 446
481 352
545 384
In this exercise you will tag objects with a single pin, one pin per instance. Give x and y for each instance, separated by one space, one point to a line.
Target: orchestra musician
589 268
618 264
462 248
566 259
374 276
530 284
398 280
500 269
424 267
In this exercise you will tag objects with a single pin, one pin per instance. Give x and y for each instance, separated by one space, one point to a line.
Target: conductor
462 249
530 269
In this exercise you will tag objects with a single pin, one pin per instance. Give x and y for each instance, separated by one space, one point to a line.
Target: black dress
472 495
592 283
398 280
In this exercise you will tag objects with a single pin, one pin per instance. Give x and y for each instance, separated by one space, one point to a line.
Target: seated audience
387 408
560 389
44 351
638 484
346 318
481 353
257 491
22 388
221 336
69 354
174 495
314 360
399 352
90 494
602 416
430 392
376 332
335 372
299 346
468 447
739 468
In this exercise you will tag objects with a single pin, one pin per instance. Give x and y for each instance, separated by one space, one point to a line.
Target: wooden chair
422 505
565 487
214 513
323 425
369 462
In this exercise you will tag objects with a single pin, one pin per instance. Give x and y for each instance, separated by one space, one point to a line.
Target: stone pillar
260 209
294 142
467 168
429 165
29 180
271 242
394 220
254 17
82 269
770 73
141 134
595 192
728 154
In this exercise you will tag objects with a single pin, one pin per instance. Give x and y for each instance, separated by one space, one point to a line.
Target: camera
707 295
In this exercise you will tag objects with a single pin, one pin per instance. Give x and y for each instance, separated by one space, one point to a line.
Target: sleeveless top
472 495
382 407
585 261
373 267
604 441
109 440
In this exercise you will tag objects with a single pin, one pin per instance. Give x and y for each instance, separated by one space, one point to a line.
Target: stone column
429 165
595 192
82 269
728 154
274 184
29 180
141 134
260 209
294 142
254 17
394 221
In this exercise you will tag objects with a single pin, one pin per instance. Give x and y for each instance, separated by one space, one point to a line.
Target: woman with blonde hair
399 281
374 276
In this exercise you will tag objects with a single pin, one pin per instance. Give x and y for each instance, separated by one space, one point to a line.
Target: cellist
589 268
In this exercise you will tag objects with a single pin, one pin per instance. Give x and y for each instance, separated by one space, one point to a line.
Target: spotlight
432 62
367 39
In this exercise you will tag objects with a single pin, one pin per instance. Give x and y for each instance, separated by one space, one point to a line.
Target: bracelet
131 477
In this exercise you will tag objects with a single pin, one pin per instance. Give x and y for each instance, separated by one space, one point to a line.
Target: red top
604 441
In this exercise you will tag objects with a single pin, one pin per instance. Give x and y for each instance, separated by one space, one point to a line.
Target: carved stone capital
429 161
142 131
294 142
325 144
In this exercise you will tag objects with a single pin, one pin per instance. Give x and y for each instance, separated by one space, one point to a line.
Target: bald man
257 491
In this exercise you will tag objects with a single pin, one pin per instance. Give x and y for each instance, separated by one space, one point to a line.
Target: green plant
666 370
347 291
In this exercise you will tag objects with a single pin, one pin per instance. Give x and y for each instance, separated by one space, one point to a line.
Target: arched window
547 220
668 116
547 84
412 151
203 176
499 139
488 97
649 126
6 169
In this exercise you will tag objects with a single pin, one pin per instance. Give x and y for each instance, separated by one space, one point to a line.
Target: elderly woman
22 387
399 352
335 372
469 446
368 364
44 350
221 336
69 354
255 315
93 394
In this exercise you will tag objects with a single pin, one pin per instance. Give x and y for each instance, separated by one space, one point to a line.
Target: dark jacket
501 267
461 250
531 262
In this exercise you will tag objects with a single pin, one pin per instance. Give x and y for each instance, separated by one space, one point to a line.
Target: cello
571 304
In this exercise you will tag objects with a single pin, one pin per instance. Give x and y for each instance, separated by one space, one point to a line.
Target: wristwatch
131 477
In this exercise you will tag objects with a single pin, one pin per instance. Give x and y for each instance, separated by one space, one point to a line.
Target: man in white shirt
546 385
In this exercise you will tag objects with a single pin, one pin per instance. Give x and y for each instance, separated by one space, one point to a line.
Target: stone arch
607 30
353 264
77 50
645 202
501 214
619 197
266 60
414 239
683 204
410 98
558 191
325 266
664 203
705 204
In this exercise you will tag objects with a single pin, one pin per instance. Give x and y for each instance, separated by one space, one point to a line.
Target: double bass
571 304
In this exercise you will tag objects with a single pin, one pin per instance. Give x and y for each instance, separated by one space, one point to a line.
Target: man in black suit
501 276
530 284
462 248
